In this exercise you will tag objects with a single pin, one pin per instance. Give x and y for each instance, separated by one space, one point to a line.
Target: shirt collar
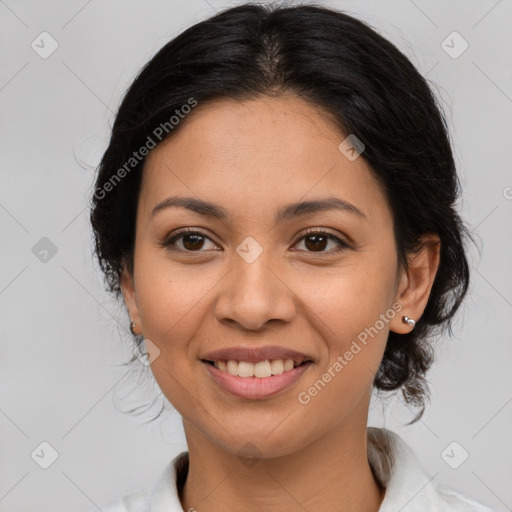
408 487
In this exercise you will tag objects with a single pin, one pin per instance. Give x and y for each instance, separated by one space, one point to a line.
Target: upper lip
255 354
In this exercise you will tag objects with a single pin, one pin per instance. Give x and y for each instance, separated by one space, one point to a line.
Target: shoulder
409 487
134 502
163 496
458 502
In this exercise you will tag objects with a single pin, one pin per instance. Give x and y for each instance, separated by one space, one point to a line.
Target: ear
129 294
416 282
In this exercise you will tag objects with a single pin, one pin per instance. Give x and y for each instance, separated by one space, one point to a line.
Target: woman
276 208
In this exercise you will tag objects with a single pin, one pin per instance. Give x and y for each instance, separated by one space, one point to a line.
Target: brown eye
195 241
317 241
191 241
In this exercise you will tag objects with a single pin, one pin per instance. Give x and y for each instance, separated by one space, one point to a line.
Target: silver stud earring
409 321
132 327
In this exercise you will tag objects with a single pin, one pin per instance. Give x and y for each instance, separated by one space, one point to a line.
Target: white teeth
288 365
261 369
232 367
245 369
276 366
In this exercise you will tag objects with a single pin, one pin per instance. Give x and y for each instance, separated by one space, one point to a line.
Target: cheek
170 295
351 309
350 297
353 345
171 304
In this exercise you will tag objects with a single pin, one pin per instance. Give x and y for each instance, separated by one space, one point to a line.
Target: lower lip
256 388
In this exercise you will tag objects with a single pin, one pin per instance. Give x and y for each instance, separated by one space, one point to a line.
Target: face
314 280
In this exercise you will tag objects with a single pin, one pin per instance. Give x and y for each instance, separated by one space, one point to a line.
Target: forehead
256 153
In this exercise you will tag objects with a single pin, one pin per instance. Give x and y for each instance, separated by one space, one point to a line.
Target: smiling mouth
256 381
262 369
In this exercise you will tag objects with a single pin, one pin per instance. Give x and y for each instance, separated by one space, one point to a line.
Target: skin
251 158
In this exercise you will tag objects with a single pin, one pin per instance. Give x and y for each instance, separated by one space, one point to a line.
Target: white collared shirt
408 487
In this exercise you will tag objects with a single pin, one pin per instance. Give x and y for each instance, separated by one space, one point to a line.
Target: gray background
62 337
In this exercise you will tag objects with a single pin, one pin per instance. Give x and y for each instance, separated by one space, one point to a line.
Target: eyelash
169 243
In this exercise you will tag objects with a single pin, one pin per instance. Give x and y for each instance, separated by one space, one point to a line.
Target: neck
332 473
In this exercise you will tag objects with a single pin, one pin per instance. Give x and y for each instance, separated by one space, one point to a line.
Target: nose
254 294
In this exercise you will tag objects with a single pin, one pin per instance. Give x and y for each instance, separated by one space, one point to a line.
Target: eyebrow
287 212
